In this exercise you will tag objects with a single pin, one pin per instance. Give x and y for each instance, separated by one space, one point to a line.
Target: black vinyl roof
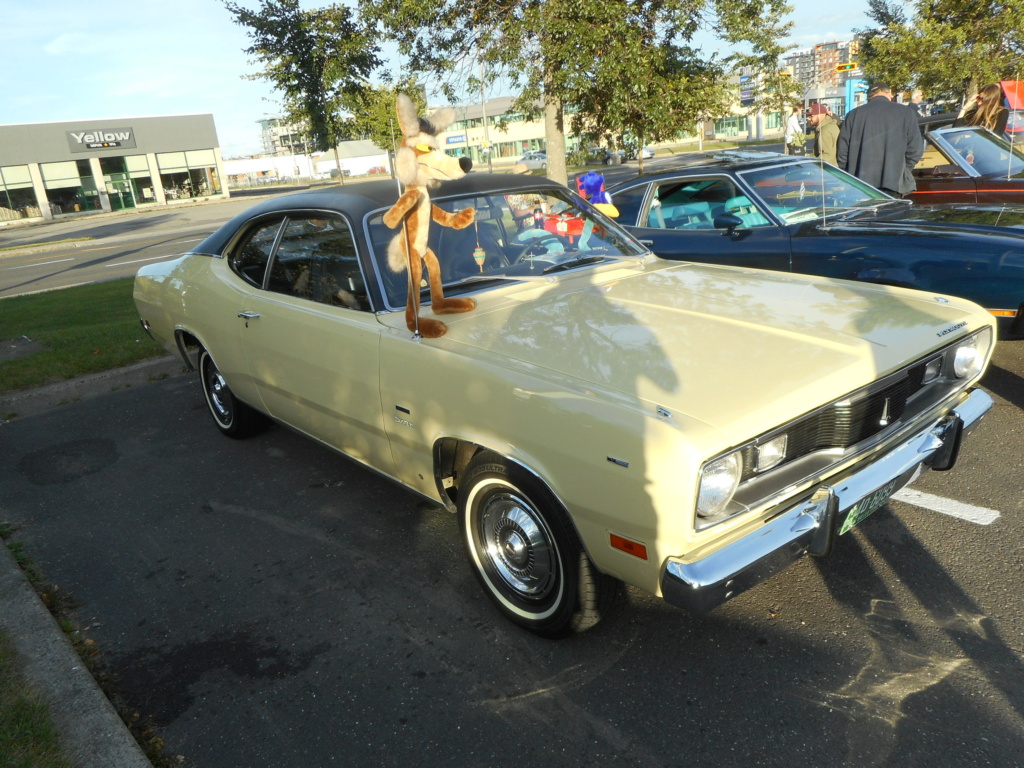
356 199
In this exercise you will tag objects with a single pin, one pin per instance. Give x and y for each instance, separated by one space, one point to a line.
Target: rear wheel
233 417
525 552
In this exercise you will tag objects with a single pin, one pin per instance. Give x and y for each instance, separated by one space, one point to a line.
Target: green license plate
867 505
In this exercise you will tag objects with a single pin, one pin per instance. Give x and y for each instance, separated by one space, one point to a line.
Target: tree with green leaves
944 47
621 56
373 112
319 60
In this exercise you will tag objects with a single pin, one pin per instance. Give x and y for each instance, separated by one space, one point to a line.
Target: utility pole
483 107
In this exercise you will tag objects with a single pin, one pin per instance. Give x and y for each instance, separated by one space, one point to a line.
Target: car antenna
824 216
1009 160
405 235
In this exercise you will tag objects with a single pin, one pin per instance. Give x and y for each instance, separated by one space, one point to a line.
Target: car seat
742 207
687 215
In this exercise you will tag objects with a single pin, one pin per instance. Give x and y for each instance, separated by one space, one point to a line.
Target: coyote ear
439 120
408 120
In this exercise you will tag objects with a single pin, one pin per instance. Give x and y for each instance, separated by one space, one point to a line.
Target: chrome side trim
808 526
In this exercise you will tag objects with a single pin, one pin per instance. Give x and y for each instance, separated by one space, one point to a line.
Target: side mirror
947 170
728 221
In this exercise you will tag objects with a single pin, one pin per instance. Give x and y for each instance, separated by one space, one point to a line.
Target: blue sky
66 60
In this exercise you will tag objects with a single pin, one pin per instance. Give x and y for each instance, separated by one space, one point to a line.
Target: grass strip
84 329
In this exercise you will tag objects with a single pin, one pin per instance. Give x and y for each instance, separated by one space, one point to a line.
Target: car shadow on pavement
925 653
1006 384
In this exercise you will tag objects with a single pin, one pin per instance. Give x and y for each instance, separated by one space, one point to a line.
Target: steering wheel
538 247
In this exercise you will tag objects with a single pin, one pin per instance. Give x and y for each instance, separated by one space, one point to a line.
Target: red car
970 165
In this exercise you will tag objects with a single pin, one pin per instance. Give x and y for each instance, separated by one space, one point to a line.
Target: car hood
698 339
1007 220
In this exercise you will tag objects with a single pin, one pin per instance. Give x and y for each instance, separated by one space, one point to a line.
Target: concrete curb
92 733
33 401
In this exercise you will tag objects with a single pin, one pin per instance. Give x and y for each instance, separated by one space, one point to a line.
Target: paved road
268 603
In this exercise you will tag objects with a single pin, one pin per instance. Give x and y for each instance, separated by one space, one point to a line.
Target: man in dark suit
880 143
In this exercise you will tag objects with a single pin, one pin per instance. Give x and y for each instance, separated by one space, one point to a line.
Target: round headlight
968 360
718 482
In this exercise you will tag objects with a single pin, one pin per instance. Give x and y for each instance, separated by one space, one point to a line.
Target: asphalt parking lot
268 603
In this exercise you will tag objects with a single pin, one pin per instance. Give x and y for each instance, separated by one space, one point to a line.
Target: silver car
535 160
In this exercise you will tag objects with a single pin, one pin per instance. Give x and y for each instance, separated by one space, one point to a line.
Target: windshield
805 191
515 236
987 153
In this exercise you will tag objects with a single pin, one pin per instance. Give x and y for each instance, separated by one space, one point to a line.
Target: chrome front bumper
809 527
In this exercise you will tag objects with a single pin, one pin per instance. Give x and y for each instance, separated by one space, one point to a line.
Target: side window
931 157
250 258
628 201
681 206
317 260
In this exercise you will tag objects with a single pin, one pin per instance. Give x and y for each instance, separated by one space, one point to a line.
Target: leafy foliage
944 47
373 112
625 66
319 60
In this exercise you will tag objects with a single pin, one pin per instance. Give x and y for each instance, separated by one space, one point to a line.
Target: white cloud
73 43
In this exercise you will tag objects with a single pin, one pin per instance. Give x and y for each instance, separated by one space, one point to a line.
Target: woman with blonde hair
987 111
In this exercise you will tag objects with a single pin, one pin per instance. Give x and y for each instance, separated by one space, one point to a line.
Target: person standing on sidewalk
795 136
826 133
880 143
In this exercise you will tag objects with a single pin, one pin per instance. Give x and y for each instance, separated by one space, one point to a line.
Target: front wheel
525 552
233 417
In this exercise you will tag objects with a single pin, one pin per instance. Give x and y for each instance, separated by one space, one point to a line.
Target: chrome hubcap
219 394
519 546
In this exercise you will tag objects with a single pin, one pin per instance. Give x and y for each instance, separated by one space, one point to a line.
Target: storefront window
70 187
773 121
189 174
731 127
17 200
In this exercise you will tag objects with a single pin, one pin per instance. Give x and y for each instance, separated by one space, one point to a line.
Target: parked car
771 211
969 165
535 159
601 416
603 156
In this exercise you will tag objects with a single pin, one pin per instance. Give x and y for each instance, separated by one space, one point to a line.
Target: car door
675 218
941 177
312 343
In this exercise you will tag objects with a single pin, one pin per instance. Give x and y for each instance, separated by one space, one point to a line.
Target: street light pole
483 107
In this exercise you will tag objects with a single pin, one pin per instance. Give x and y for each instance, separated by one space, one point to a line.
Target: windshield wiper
578 261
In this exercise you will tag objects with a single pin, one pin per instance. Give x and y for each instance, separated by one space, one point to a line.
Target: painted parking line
137 261
979 515
40 264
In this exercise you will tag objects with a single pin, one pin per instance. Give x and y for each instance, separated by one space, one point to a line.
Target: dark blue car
795 214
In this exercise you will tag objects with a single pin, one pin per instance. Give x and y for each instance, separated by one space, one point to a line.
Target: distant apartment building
820 65
280 138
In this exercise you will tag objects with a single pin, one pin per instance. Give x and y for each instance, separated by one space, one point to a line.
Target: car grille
846 423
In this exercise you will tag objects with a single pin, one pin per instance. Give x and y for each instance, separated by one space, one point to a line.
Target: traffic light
845 67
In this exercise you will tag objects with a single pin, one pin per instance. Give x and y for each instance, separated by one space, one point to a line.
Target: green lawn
85 329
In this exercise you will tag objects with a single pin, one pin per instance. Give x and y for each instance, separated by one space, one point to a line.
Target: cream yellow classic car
602 416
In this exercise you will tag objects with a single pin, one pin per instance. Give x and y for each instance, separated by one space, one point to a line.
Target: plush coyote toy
421 166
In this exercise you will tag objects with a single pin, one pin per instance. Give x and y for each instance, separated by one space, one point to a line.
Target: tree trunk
554 137
337 161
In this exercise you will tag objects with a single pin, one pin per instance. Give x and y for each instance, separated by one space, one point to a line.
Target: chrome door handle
647 242
248 315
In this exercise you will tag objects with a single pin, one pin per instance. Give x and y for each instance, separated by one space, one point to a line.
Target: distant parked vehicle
535 159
